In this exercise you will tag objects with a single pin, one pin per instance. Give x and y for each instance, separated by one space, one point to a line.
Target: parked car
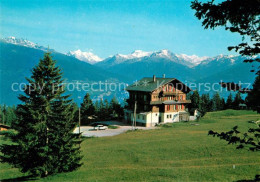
100 127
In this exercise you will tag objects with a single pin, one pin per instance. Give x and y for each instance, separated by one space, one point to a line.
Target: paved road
87 131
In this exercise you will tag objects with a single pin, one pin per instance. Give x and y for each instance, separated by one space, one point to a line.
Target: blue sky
110 27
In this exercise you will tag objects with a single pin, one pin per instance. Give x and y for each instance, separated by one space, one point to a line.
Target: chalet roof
147 84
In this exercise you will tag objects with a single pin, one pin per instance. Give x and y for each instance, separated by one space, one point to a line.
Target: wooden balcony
166 93
170 102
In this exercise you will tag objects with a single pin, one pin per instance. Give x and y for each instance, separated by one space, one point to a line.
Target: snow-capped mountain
138 55
18 56
24 42
135 54
193 59
88 57
220 59
165 53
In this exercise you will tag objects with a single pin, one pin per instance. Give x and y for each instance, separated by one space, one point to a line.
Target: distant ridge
25 43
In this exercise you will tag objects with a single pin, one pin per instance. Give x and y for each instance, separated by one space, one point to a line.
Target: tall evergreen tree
44 143
253 97
1 113
96 106
10 116
217 102
204 104
195 100
3 118
223 103
229 103
105 110
116 108
87 108
238 100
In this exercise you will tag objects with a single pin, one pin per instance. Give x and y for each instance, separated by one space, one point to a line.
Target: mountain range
19 56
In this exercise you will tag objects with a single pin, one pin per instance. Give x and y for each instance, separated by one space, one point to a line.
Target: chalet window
138 117
145 97
182 106
174 107
145 107
143 117
179 107
181 97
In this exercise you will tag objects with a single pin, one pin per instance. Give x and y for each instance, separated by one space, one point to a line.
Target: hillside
179 152
16 62
19 56
185 68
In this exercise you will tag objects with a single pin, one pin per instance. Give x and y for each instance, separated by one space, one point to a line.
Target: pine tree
96 106
44 143
104 110
1 114
217 102
3 118
10 116
195 100
87 109
253 97
223 103
204 104
238 100
229 103
116 108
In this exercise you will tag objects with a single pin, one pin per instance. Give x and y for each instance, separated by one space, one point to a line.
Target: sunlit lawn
181 152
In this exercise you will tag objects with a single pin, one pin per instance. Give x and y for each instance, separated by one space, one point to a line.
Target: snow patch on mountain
88 57
164 53
24 42
135 54
192 59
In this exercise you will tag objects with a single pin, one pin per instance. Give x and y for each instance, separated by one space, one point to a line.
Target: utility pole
135 114
79 120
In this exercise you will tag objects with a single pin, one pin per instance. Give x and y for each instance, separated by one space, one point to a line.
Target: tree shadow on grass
257 178
23 178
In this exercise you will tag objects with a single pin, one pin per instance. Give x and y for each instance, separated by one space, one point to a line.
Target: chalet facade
157 100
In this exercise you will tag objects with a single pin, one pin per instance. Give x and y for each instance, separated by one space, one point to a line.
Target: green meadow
174 152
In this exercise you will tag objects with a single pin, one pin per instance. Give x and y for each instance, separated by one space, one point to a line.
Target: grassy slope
182 152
